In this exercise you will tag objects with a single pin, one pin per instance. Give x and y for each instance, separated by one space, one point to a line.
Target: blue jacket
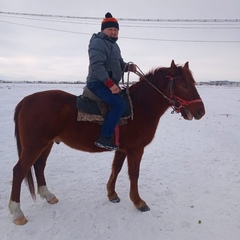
105 60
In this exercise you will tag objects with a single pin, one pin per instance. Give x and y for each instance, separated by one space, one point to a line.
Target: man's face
111 32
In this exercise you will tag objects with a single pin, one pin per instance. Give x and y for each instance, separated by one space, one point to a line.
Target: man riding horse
105 70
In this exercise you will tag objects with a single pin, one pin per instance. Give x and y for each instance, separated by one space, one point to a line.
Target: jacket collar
105 37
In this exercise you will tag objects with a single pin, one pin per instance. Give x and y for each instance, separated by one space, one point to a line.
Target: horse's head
183 94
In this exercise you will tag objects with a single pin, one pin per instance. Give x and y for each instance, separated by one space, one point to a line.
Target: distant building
222 82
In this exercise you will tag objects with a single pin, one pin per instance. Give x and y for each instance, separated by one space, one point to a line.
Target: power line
136 38
195 26
132 38
126 19
183 40
45 28
143 24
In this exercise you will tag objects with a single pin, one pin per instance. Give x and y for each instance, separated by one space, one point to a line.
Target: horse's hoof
20 221
144 208
54 200
115 200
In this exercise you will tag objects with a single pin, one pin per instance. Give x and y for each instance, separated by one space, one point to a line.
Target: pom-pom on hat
109 22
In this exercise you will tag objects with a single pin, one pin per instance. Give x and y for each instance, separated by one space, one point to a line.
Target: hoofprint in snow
190 177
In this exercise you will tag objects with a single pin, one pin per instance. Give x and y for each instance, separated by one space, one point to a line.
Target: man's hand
112 86
132 67
115 89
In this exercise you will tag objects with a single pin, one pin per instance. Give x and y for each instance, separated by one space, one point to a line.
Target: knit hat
109 22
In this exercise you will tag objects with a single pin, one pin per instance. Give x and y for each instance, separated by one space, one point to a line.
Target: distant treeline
215 83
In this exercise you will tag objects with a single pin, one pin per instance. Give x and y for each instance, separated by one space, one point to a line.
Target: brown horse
50 116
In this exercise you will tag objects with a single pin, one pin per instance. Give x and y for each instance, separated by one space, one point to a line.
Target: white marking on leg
15 209
45 193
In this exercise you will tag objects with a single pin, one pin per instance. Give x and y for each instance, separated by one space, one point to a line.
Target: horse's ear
173 68
186 65
173 64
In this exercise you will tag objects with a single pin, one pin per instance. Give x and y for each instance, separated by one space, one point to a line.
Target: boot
106 142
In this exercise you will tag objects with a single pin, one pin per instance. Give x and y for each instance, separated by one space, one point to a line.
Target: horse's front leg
134 159
116 168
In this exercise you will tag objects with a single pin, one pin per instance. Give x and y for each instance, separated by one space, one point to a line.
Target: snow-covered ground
190 178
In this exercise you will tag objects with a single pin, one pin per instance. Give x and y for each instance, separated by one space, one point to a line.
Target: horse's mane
160 72
158 77
142 90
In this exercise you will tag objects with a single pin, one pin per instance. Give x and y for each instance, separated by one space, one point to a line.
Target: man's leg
117 108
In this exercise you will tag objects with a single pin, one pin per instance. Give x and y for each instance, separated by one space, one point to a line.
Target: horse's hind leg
39 167
116 168
20 171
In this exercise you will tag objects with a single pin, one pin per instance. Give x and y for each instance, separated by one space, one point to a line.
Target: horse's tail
28 178
17 135
30 183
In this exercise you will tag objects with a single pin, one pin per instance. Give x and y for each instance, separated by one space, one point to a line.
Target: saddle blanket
96 110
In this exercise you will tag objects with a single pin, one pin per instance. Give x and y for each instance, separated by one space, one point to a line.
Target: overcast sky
43 48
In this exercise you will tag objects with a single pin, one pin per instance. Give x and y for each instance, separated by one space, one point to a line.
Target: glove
132 67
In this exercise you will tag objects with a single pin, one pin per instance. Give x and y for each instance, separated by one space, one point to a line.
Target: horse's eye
185 85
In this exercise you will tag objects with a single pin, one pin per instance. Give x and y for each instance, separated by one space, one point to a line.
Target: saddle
92 109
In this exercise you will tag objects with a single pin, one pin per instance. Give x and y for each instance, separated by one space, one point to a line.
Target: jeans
114 101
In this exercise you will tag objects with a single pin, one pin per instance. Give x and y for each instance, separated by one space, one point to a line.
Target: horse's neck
148 102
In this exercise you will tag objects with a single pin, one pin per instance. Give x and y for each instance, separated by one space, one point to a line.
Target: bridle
176 102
